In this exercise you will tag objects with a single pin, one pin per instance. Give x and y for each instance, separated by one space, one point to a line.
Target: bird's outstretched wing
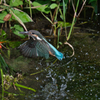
34 48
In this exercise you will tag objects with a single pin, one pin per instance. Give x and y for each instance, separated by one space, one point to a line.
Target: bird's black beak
26 32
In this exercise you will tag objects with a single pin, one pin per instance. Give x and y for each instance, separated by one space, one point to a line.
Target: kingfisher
38 46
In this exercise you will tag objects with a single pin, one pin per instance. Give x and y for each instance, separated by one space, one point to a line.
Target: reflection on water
76 78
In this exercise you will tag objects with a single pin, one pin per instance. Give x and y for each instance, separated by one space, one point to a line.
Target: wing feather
34 48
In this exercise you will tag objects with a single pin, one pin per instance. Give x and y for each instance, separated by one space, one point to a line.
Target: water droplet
86 53
37 68
96 49
37 78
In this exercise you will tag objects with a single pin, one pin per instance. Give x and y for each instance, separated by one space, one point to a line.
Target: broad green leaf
2 15
17 33
53 5
3 34
16 2
17 29
94 5
42 8
61 23
22 15
90 1
14 44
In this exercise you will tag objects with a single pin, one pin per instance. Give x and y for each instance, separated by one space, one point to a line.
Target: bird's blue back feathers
58 54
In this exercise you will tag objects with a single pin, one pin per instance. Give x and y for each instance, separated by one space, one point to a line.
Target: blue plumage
58 54
37 45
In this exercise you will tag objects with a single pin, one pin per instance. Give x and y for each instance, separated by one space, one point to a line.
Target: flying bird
37 45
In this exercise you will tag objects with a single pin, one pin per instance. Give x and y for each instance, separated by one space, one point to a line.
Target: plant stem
2 84
30 9
73 22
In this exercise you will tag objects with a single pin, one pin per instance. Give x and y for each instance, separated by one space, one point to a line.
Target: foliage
16 28
16 14
12 10
47 7
9 81
58 25
60 10
3 64
93 3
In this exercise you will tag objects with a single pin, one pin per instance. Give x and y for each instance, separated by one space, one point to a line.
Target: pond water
75 78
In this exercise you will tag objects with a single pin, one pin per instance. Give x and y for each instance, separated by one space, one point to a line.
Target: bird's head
34 34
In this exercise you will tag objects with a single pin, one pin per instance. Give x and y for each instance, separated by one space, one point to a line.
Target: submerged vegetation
62 16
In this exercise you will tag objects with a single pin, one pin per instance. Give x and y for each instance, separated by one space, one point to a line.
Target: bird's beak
26 32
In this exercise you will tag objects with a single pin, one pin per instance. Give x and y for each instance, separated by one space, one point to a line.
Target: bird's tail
57 54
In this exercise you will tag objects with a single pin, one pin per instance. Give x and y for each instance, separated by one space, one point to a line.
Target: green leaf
64 10
16 2
42 8
90 1
22 15
60 43
17 33
25 87
14 44
3 34
94 4
61 23
17 29
53 5
2 15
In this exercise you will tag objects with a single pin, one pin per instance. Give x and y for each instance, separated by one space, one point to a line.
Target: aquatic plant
8 81
3 64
